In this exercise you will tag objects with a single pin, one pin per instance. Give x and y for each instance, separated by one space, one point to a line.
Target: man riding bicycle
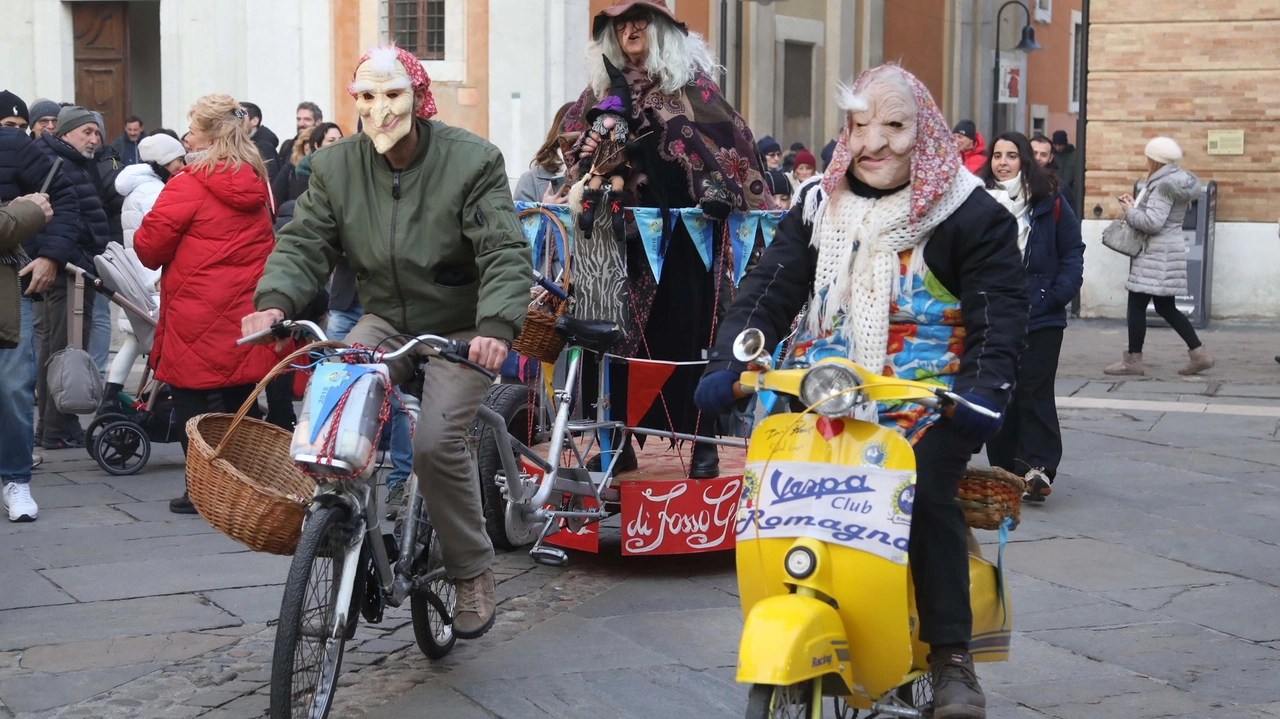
908 268
423 213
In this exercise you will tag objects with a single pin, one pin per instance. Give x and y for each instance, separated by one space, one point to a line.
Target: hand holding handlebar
259 328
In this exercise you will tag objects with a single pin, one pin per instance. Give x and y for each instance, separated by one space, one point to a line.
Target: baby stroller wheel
122 448
95 427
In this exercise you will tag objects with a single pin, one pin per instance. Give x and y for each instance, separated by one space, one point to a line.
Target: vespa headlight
829 389
800 562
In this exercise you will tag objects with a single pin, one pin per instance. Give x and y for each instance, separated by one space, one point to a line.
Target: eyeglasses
639 22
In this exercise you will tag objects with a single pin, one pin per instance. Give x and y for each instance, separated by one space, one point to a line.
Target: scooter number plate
864 508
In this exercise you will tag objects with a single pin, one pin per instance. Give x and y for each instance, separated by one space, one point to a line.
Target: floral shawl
700 131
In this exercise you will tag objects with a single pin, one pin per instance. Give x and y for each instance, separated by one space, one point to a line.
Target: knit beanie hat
1060 137
160 149
804 157
69 118
777 182
12 106
767 144
966 128
97 119
43 108
1163 150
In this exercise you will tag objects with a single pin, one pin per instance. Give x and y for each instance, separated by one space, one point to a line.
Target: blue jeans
17 404
340 323
100 342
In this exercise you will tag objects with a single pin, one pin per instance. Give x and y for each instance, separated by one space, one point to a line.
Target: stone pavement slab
66 623
1094 566
33 692
123 651
145 578
252 604
28 588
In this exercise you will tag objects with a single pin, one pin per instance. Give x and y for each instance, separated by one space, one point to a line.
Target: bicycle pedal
549 556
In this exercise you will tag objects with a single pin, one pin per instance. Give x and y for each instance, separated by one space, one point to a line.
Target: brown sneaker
1129 364
956 694
473 615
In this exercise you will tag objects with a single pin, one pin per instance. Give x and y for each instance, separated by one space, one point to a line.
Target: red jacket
977 157
212 235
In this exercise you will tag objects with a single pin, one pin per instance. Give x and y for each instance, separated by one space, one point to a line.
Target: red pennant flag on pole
644 384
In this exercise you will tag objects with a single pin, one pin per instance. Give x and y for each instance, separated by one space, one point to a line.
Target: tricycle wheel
91 434
918 694
512 402
792 701
122 448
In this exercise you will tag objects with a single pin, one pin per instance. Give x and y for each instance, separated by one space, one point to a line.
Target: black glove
970 423
714 394
715 209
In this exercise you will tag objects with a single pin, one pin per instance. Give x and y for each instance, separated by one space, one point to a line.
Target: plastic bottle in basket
353 397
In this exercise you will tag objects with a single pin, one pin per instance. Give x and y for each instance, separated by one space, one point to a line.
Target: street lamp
1026 44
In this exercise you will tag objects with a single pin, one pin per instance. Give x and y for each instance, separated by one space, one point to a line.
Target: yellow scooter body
791 632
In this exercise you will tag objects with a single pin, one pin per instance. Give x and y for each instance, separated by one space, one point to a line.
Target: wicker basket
538 339
241 478
989 494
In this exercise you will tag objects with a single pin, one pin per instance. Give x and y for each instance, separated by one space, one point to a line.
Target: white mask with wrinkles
384 101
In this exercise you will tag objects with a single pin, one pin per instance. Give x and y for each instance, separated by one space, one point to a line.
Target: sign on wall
1010 81
1226 142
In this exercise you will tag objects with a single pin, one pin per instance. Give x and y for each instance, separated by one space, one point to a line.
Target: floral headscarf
424 104
935 158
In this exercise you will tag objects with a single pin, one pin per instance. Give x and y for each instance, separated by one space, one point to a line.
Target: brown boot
1199 362
956 693
1129 364
473 615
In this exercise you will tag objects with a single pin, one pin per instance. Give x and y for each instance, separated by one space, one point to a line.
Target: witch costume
689 150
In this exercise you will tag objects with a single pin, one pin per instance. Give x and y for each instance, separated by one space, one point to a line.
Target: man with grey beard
75 140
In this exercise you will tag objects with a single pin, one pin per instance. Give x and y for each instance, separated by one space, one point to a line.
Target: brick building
1186 69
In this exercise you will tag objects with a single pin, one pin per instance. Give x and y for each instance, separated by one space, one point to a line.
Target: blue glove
715 392
970 423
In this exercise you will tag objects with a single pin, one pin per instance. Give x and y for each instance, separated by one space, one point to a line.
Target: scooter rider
908 266
424 215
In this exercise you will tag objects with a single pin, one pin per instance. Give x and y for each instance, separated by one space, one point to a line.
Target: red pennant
644 383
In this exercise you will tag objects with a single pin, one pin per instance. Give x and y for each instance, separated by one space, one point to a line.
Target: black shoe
705 463
182 505
110 400
70 443
956 693
626 463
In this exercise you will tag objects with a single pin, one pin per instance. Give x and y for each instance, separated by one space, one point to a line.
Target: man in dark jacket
307 117
423 212
1064 153
76 140
1047 158
901 182
263 138
126 145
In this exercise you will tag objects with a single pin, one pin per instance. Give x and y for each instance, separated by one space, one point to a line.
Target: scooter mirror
749 347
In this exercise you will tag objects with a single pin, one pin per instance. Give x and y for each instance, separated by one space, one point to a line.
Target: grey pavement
1147 586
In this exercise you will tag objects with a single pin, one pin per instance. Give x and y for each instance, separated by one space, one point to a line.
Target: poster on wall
1010 81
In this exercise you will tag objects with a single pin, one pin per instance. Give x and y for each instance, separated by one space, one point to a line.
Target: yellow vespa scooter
822 530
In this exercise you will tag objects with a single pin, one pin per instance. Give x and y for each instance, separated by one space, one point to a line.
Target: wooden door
101 31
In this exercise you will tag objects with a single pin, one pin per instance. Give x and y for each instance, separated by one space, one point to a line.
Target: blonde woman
210 232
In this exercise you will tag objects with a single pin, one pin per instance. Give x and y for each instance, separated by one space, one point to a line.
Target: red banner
685 516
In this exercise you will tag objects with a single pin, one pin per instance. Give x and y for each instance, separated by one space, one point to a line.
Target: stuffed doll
606 171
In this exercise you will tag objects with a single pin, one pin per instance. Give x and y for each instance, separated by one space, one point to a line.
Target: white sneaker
17 499
36 460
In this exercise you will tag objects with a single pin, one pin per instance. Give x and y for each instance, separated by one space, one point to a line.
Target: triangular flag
742 240
649 223
644 383
330 381
700 232
531 224
769 224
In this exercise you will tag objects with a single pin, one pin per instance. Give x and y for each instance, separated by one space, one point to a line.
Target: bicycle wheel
917 693
304 667
432 606
512 402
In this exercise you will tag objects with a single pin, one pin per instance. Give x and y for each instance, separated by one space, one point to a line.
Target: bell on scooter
749 347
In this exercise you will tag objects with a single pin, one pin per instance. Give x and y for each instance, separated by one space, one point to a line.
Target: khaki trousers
442 457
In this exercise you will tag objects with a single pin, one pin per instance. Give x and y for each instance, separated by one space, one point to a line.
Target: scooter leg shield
789 638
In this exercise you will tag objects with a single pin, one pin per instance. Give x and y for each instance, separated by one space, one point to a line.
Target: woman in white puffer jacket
140 185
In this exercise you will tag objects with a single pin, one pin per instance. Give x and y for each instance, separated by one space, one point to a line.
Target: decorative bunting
699 228
644 383
742 239
769 225
649 221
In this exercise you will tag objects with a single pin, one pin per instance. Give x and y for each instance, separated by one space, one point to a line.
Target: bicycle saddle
593 335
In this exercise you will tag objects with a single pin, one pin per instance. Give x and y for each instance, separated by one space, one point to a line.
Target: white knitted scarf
858 241
1011 196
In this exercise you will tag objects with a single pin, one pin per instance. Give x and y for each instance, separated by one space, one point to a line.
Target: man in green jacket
423 213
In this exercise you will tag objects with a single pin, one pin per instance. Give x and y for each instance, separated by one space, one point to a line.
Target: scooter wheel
792 701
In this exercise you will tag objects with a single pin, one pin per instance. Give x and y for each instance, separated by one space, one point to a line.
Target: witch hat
617 101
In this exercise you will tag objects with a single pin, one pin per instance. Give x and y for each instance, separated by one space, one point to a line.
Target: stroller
120 442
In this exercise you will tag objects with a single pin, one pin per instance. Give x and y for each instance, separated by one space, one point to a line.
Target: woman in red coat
210 231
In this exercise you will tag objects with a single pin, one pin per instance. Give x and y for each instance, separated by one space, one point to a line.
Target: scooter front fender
789 638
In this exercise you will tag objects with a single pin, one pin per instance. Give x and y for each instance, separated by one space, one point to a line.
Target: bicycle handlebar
555 290
455 351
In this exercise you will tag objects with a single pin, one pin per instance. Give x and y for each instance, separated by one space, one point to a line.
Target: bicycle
344 565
